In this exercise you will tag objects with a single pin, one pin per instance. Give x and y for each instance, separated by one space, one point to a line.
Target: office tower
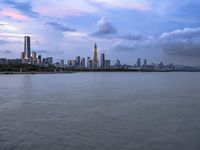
95 57
102 61
88 62
22 55
27 48
78 61
145 62
71 63
3 61
39 59
118 63
82 62
62 62
34 57
107 64
49 60
138 62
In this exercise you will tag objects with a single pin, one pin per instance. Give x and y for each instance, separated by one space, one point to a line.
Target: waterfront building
95 57
145 62
117 64
49 60
22 55
107 64
3 61
82 62
34 57
71 63
102 61
27 48
39 59
78 61
62 62
89 63
14 61
139 63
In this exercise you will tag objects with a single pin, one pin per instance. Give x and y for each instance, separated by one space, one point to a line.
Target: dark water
100 111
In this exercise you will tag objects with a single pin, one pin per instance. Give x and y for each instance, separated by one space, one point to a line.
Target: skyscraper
102 61
145 62
78 61
95 58
138 62
39 59
27 48
22 55
34 57
107 64
82 62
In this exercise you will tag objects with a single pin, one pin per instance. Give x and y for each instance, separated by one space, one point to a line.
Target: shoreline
14 73
70 72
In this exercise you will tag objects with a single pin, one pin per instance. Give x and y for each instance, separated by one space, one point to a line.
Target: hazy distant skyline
164 30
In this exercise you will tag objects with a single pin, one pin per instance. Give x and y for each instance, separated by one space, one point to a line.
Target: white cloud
183 34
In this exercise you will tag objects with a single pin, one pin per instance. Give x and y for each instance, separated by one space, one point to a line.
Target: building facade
27 48
95 57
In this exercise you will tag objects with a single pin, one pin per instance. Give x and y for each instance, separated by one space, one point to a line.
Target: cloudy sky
164 30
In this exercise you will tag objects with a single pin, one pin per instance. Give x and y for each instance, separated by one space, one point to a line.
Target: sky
156 30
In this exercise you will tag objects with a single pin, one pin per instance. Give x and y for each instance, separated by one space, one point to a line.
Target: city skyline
142 29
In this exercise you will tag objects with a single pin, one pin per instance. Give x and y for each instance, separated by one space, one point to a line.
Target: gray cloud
45 51
184 42
60 27
104 28
132 37
6 51
126 46
182 48
3 42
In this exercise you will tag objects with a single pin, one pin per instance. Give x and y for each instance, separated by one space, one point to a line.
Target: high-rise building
3 61
71 63
95 57
89 65
117 64
22 55
145 62
39 59
49 60
62 62
78 61
34 57
27 48
107 64
82 62
138 62
102 61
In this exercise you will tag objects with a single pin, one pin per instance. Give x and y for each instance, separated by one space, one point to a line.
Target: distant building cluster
28 57
90 63
31 58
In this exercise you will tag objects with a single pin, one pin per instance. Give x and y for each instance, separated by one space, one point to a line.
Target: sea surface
100 111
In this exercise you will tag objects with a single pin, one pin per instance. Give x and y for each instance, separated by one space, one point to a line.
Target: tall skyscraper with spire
95 58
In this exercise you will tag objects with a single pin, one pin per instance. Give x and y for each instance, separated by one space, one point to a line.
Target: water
100 111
